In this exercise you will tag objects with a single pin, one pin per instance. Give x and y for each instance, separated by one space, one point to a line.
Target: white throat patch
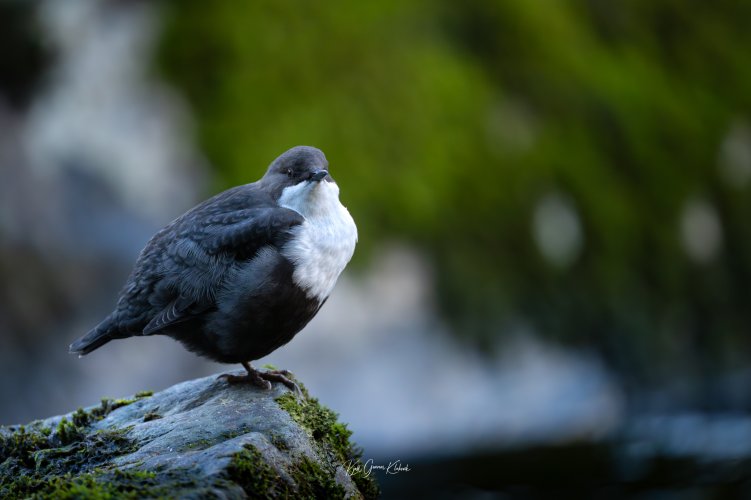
320 247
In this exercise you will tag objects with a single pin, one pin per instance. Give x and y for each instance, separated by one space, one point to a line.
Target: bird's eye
289 172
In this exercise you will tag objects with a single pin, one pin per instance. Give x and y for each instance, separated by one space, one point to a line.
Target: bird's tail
95 339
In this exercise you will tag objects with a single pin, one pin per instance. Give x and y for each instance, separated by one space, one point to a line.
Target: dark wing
179 310
181 269
244 232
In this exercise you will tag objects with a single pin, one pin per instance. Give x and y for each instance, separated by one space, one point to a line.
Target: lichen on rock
201 438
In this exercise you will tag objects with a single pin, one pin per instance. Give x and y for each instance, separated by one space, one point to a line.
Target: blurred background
550 292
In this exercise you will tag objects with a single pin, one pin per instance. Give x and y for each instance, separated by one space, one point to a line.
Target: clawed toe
254 379
281 376
263 379
234 379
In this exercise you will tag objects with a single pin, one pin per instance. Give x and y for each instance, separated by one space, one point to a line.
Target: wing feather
194 259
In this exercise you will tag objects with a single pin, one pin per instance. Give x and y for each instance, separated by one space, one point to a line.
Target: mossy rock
198 439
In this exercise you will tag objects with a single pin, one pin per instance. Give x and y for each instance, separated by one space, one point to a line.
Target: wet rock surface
200 438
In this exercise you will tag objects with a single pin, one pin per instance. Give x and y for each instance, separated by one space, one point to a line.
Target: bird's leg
262 379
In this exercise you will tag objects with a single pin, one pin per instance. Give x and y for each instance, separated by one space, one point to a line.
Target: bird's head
299 178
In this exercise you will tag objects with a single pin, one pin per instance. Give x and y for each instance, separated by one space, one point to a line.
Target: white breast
320 247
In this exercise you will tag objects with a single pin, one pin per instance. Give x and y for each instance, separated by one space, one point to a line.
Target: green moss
257 478
84 453
200 444
152 415
72 460
320 422
39 460
366 484
331 436
68 463
279 442
20 445
243 429
108 405
313 482
81 418
68 432
103 484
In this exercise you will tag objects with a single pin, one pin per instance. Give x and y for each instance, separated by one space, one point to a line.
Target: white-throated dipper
239 275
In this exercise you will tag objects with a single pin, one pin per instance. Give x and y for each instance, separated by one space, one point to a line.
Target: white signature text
367 467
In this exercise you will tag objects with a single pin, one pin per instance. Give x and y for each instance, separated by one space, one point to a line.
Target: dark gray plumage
239 275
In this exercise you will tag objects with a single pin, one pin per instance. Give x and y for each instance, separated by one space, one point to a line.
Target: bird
239 275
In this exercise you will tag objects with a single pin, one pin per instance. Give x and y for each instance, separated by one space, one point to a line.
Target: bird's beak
318 175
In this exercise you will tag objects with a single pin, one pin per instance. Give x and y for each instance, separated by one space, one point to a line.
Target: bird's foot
283 376
263 379
253 377
233 379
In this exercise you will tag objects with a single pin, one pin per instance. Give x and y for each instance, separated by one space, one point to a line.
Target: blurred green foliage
446 124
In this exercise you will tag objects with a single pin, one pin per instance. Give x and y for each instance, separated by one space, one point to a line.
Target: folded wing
193 266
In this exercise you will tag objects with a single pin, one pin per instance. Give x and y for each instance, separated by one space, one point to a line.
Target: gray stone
198 438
